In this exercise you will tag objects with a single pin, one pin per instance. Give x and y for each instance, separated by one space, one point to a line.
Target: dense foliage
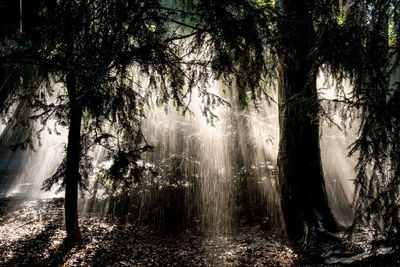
113 57
94 48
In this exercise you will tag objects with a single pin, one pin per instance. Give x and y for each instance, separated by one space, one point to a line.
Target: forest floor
32 234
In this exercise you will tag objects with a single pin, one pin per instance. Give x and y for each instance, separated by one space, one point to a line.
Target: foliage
103 43
373 68
352 40
100 44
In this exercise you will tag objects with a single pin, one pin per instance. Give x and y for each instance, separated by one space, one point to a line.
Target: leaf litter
32 233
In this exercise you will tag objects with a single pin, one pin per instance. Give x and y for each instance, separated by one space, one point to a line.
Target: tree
256 40
304 201
91 48
376 86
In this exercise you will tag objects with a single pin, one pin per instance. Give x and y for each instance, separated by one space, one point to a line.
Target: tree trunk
72 176
304 201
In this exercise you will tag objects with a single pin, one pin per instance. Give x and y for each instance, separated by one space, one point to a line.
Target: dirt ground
32 234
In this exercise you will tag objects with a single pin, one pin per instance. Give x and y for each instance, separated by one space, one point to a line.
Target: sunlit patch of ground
27 226
31 234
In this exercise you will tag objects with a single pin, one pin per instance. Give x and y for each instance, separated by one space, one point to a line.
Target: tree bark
305 206
72 175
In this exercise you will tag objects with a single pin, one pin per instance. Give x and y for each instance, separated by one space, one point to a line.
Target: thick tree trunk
72 169
304 201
